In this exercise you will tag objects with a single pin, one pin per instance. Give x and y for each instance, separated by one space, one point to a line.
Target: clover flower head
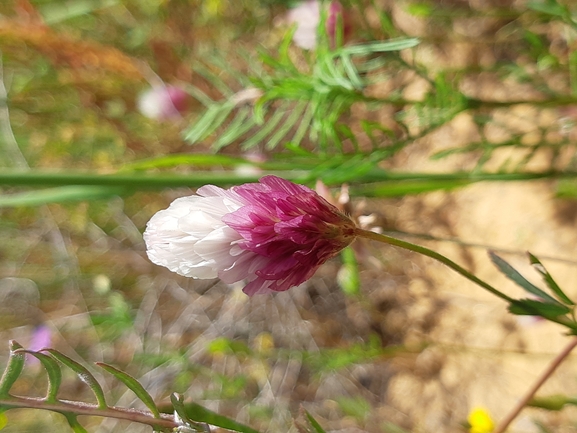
163 102
273 234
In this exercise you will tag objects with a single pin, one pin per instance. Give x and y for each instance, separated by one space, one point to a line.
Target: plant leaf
379 47
531 307
59 195
197 160
517 278
314 423
196 412
549 280
74 424
134 386
84 375
52 369
177 404
13 369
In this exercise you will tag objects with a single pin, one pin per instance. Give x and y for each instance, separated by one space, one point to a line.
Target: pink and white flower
307 16
163 102
274 234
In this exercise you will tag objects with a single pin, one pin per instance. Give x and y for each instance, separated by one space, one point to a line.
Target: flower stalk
504 424
432 254
164 423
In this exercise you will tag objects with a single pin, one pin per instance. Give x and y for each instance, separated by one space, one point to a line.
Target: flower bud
273 234
163 102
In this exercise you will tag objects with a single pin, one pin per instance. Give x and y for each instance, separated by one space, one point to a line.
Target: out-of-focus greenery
81 171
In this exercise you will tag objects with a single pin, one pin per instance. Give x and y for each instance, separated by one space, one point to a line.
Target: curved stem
73 408
540 381
434 255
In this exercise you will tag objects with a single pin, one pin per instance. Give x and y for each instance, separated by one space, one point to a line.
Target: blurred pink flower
274 234
163 102
41 339
307 17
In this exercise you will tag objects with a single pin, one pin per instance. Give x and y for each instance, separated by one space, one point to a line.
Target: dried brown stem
502 427
164 423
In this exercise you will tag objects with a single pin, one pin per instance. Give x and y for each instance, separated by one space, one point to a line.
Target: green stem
140 180
130 180
432 254
473 103
562 320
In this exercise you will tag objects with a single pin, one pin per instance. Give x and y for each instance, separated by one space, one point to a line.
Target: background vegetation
420 102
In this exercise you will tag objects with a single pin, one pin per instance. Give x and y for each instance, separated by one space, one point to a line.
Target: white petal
189 237
217 245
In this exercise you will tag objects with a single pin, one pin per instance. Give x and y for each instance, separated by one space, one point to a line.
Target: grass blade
196 160
59 195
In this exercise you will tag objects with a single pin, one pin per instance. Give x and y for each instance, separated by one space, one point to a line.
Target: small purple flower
41 339
274 234
163 102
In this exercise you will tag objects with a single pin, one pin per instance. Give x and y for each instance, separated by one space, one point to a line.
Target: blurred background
477 123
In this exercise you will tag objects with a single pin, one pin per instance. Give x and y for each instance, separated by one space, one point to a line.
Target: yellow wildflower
480 421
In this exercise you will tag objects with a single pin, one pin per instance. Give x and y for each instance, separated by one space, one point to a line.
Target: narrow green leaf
239 126
552 402
379 47
314 423
135 386
230 68
52 369
200 96
267 127
13 369
290 121
401 188
371 64
84 375
74 424
549 280
284 51
178 406
517 278
212 77
196 412
352 73
531 307
59 195
210 120
57 12
420 9
197 160
549 7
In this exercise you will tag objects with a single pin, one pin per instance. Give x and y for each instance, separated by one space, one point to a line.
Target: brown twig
541 380
164 423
